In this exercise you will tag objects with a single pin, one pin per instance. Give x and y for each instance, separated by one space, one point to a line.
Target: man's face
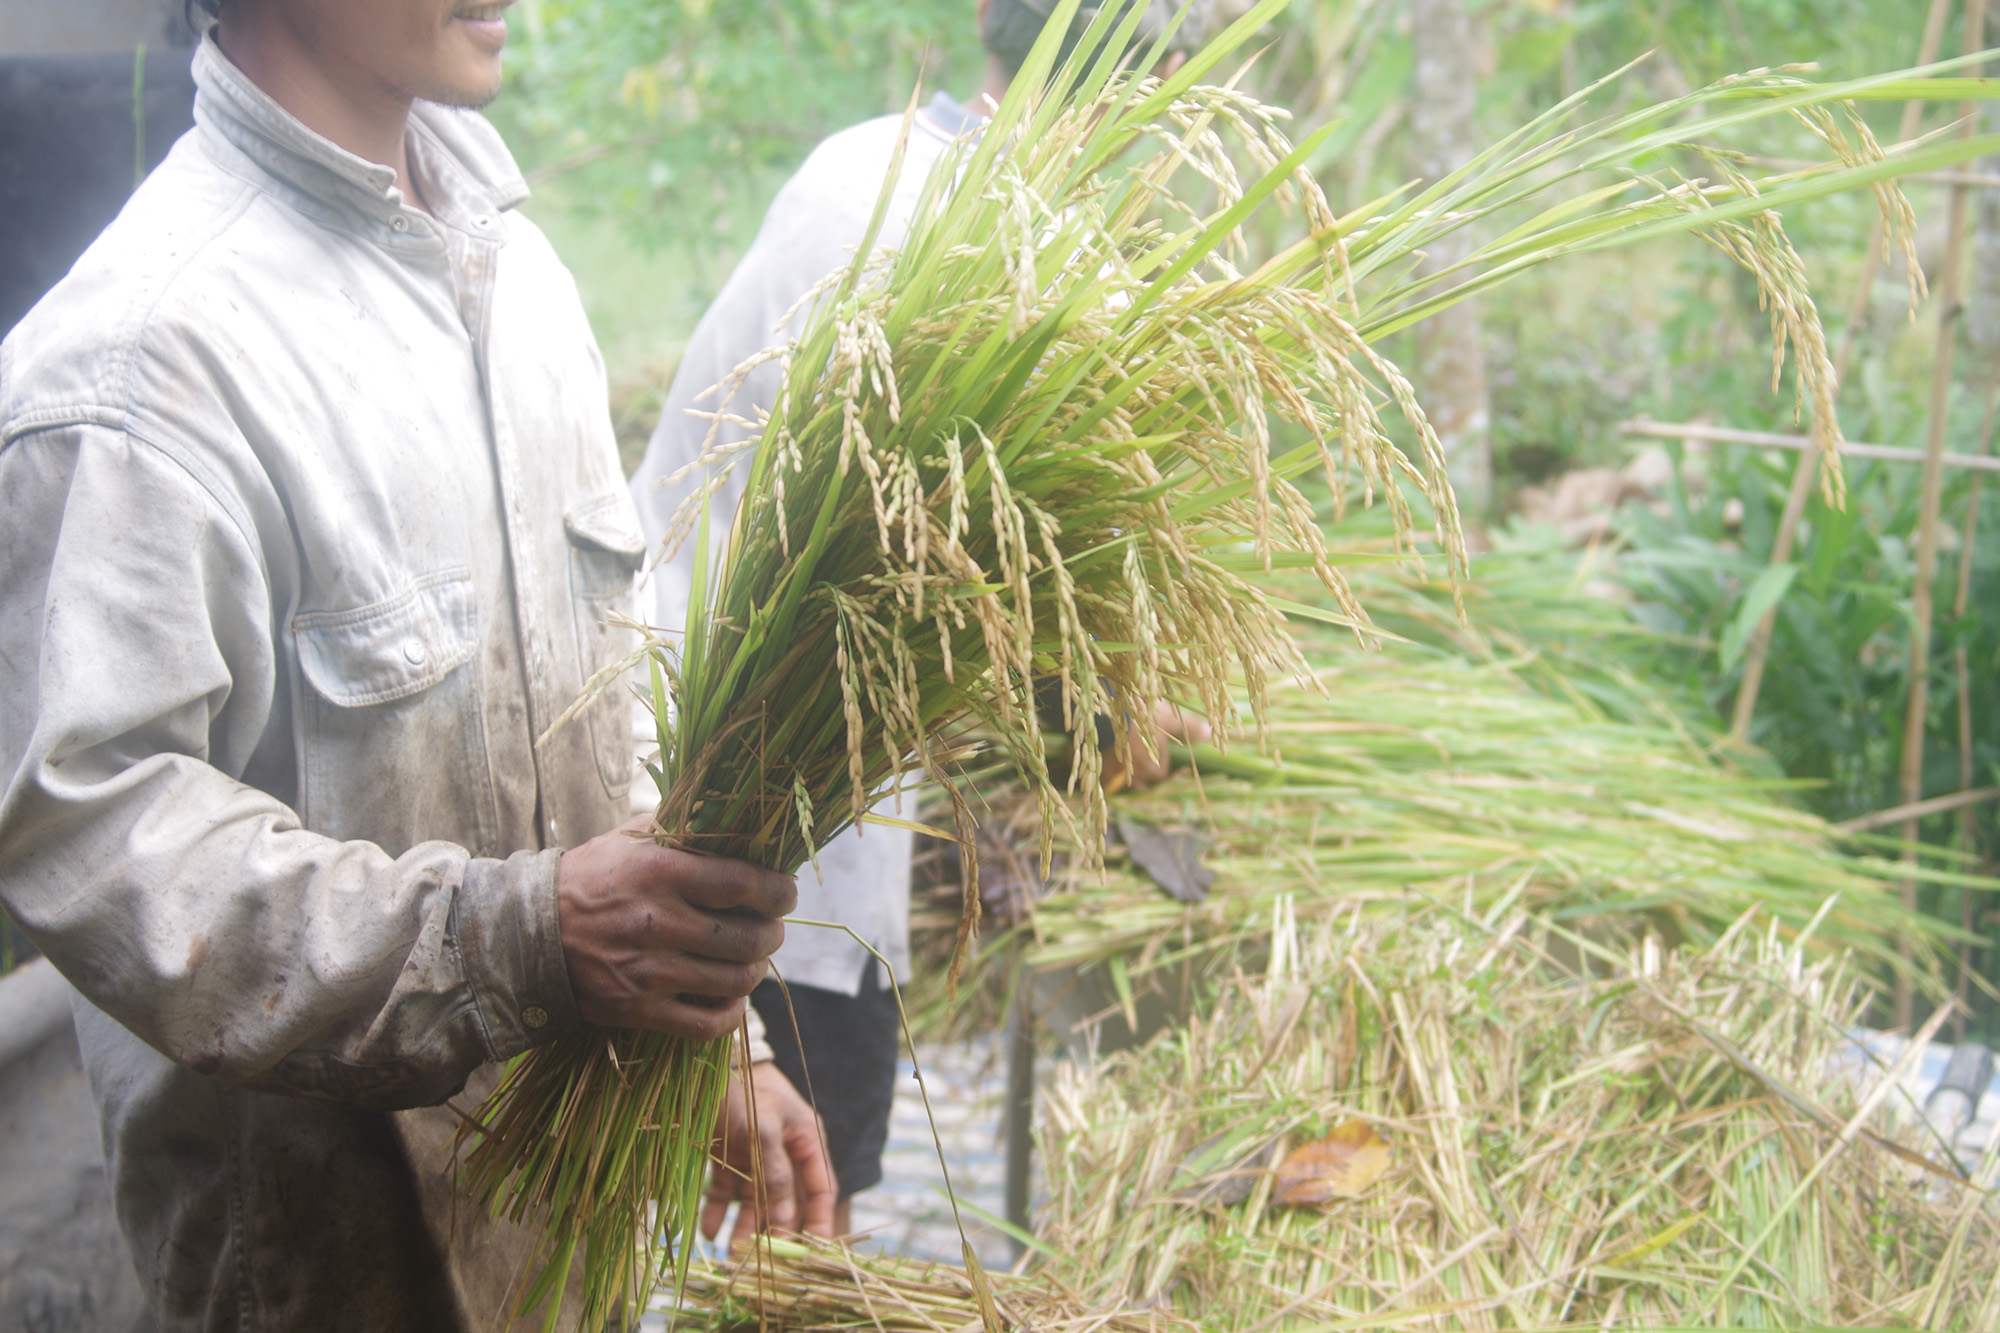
434 50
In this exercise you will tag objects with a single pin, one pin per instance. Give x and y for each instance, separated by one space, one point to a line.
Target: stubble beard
463 99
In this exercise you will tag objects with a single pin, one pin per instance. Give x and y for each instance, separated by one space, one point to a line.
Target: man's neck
348 107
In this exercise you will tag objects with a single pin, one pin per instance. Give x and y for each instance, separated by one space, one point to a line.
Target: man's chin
472 99
471 92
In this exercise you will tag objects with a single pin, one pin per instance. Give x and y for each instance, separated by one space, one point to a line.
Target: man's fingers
794 1188
806 1151
695 979
723 884
694 1022
733 937
776 1193
661 934
748 1224
646 929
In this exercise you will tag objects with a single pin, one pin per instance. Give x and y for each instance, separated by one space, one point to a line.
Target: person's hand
666 940
1149 767
789 1148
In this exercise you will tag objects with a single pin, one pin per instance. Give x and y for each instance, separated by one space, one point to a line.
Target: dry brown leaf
1340 1166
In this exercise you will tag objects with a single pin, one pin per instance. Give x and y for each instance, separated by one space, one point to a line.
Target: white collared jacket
310 521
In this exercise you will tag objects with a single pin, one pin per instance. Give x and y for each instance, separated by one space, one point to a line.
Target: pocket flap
609 524
392 649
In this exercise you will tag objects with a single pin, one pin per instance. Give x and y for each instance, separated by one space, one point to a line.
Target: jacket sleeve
139 682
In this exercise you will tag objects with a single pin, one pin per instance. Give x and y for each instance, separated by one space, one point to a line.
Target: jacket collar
467 171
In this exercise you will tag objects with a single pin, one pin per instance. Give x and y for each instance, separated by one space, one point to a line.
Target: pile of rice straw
1652 1137
1566 1136
802 1284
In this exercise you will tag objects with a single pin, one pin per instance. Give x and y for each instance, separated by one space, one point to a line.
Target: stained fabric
310 522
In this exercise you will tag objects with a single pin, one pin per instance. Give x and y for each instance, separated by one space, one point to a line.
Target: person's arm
137 684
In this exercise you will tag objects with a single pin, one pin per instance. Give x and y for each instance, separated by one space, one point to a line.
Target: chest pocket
606 553
392 747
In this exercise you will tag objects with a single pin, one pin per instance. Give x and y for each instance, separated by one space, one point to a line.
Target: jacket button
535 1016
399 223
414 652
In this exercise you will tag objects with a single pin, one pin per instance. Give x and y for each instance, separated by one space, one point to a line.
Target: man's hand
790 1149
666 940
1169 723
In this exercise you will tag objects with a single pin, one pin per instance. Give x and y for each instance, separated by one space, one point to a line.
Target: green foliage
671 122
1409 775
1546 48
1569 356
1831 707
680 117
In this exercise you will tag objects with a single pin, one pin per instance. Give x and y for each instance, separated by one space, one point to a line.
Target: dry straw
1033 450
1577 1138
800 1285
1580 1137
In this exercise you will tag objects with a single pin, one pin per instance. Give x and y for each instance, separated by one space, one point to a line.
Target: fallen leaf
1171 858
1340 1166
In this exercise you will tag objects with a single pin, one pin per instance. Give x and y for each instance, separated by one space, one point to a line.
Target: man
310 519
840 1001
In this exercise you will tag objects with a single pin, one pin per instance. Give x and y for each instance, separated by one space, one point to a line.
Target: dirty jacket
310 521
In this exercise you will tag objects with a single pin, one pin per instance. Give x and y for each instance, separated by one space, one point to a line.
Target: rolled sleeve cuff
759 1042
510 940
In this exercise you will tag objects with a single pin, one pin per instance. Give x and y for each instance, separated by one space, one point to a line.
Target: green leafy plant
1034 453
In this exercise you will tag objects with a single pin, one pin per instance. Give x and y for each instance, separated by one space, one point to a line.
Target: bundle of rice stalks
808 1286
1412 776
1029 454
1434 1120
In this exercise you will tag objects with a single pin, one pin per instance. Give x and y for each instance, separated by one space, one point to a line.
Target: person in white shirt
839 1008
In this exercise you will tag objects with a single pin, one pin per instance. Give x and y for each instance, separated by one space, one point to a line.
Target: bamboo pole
1962 670
1764 439
1018 1114
1759 647
1936 805
1961 667
1950 314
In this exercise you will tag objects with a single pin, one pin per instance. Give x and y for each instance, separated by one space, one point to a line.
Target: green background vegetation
656 131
